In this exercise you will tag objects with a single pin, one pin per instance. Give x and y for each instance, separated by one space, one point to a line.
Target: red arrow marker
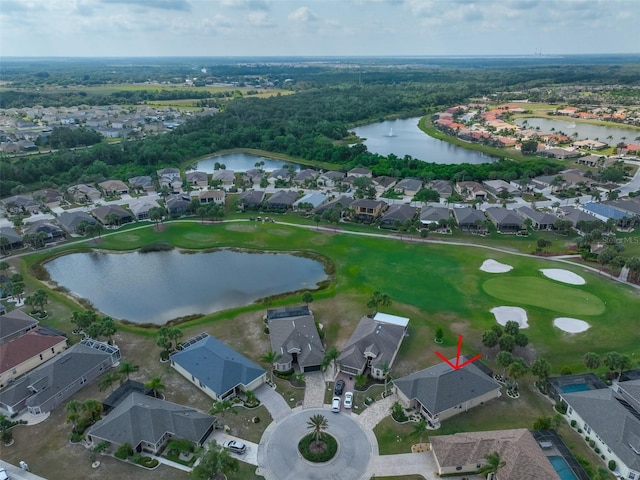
458 364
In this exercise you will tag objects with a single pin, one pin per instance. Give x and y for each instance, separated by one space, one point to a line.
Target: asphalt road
281 460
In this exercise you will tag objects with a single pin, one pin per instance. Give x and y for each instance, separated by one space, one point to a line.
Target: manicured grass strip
544 294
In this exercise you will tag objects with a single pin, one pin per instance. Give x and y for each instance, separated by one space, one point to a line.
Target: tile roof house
101 213
433 214
408 186
148 424
281 200
70 221
373 345
469 219
505 220
140 207
498 187
612 423
440 392
398 212
52 383
114 187
28 351
294 336
539 220
218 370
465 452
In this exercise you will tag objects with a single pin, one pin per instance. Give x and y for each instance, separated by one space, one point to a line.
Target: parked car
235 446
3 474
335 405
339 388
348 400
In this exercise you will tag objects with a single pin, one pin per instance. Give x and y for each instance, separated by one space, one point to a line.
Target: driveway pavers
314 390
273 402
375 412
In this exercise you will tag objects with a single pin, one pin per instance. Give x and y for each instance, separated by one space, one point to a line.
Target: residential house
384 183
49 197
311 200
281 200
20 204
443 187
539 220
28 351
366 210
14 239
471 191
305 176
104 212
14 324
500 188
340 204
591 160
283 174
408 186
178 204
398 213
83 193
629 390
50 230
589 144
147 424
198 179
505 220
440 392
142 182
140 207
169 173
252 177
359 172
470 219
433 214
373 346
608 211
218 370
294 336
114 188
466 452
251 199
212 196
52 383
70 221
575 215
559 153
331 178
226 178
612 423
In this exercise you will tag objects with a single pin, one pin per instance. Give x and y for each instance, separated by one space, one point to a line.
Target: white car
235 446
3 474
348 400
335 405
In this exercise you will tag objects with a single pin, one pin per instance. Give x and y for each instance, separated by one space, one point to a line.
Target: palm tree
155 384
126 368
108 328
307 297
377 300
220 407
270 358
591 360
386 374
215 461
38 300
92 408
329 356
419 427
493 464
318 424
73 409
107 380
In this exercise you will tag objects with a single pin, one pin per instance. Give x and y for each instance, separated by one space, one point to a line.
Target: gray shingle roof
216 365
296 333
380 338
411 184
611 420
399 212
140 418
434 214
14 322
71 220
468 216
503 216
440 387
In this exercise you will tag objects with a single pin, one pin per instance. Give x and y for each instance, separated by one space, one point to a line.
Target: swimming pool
562 467
576 387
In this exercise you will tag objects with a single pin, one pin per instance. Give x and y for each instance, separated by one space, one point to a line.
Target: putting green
542 293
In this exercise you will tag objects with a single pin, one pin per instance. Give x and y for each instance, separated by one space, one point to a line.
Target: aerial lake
584 130
239 162
156 287
403 137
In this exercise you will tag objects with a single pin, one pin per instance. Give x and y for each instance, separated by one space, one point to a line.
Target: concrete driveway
279 459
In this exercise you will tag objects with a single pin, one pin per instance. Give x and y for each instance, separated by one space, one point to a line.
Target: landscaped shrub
592 443
147 462
284 375
124 451
266 330
587 439
579 430
76 437
304 447
573 423
566 370
612 465
597 450
561 407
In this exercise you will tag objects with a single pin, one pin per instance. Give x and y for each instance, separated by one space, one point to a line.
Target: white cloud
248 4
303 15
260 19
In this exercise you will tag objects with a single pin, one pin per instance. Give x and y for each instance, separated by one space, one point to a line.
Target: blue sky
316 27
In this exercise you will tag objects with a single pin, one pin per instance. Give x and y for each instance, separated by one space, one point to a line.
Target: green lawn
544 294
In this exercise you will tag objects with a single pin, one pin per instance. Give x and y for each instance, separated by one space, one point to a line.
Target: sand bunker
505 314
571 325
564 276
492 266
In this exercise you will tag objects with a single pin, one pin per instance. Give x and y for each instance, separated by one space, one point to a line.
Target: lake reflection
239 162
160 286
403 137
610 135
